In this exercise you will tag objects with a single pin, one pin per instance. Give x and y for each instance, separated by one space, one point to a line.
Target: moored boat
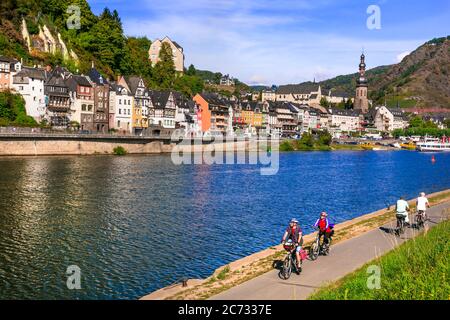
408 146
432 146
367 146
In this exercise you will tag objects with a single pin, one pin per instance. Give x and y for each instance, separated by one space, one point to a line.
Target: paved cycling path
345 257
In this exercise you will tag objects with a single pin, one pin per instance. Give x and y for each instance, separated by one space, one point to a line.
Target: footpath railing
47 132
73 133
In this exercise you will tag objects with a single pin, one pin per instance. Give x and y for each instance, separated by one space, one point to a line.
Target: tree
416 122
325 138
188 85
164 70
324 102
447 123
12 110
307 139
349 104
191 71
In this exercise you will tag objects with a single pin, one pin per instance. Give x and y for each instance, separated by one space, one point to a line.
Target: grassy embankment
418 269
308 142
225 278
351 147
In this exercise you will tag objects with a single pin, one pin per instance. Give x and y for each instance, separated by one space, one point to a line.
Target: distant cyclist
422 205
294 232
325 229
402 209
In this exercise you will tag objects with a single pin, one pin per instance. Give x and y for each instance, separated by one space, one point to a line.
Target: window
83 107
120 101
120 111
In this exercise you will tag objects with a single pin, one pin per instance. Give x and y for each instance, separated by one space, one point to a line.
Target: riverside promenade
356 242
345 257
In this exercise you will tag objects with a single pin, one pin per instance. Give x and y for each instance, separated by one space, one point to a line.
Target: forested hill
421 79
99 39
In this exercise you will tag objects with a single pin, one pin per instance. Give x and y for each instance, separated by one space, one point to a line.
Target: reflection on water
134 224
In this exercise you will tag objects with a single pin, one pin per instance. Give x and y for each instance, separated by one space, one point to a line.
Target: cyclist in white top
402 209
422 205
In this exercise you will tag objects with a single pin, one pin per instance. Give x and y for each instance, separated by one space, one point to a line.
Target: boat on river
408 146
434 145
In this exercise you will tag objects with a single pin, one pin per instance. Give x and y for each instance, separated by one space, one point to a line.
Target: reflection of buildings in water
28 198
202 184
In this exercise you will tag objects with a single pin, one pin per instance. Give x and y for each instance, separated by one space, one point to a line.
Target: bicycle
420 219
318 248
400 224
290 261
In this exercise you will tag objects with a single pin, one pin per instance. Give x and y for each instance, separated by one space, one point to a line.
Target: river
134 224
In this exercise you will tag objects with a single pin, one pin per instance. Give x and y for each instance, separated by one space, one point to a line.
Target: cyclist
422 205
294 232
402 209
325 228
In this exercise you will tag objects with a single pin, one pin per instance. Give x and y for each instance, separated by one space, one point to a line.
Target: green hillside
99 40
422 79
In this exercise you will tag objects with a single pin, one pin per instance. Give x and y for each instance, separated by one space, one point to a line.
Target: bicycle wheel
326 249
314 251
420 222
287 267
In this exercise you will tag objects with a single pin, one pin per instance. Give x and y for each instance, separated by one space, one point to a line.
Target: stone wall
30 146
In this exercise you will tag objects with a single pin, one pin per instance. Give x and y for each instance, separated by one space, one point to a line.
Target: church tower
361 101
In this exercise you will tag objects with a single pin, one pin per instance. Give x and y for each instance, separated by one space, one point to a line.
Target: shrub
119 151
286 146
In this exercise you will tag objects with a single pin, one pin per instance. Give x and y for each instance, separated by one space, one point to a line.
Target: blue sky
284 41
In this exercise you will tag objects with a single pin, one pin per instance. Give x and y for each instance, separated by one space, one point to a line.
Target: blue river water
134 224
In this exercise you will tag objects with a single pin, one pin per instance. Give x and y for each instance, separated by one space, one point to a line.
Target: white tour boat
434 145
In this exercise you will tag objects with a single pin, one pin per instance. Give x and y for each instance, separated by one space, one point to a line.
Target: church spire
361 101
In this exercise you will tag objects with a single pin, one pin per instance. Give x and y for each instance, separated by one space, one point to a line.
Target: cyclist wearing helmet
325 229
294 232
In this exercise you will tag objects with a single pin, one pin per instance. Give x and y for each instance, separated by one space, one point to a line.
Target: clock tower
361 101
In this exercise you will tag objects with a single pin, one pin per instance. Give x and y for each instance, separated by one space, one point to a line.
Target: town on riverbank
55 99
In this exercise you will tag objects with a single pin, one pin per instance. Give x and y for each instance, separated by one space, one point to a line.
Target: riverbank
416 270
29 144
262 262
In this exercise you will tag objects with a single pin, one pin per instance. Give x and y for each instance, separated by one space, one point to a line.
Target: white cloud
241 39
402 55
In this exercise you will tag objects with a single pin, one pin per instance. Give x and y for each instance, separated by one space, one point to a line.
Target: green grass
223 274
296 145
346 147
416 270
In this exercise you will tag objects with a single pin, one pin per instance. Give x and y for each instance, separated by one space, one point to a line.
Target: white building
81 94
344 120
164 109
268 95
121 105
388 119
29 82
177 53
